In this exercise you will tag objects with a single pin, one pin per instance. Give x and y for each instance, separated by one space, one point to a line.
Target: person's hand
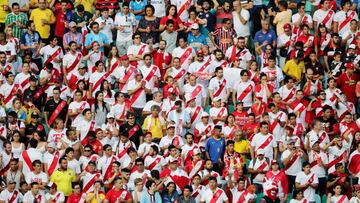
329 195
44 22
265 43
148 30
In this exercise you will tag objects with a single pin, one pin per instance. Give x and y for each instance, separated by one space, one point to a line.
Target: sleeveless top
16 151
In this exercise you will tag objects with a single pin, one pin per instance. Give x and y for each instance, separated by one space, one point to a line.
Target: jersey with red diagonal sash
217 196
202 132
348 129
27 159
218 113
230 161
265 142
196 194
78 106
344 24
122 150
324 17
201 69
354 160
229 132
72 61
97 82
49 57
6 162
96 56
185 55
129 72
14 198
219 87
88 181
149 73
195 114
336 155
261 165
6 68
106 166
54 163
154 163
9 91
84 161
275 120
137 50
23 80
244 92
311 89
179 177
187 151
280 178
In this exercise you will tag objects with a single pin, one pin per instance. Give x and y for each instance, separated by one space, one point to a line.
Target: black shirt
50 107
39 100
31 128
316 67
135 138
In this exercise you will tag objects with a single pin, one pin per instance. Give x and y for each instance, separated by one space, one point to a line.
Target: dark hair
306 163
15 4
62 159
108 91
263 123
229 142
225 20
149 183
93 24
141 160
36 162
212 178
136 34
151 7
170 21
188 187
33 184
155 148
85 111
33 143
168 10
125 4
68 150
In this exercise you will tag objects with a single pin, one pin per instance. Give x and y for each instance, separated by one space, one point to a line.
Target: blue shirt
101 38
170 199
29 40
215 148
138 6
196 41
261 37
146 198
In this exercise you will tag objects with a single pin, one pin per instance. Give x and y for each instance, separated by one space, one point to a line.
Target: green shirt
85 18
12 18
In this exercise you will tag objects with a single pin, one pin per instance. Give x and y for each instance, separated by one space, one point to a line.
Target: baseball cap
287 26
110 115
260 152
172 160
216 99
51 185
352 46
124 57
350 66
194 26
204 114
72 24
170 126
274 162
52 145
34 115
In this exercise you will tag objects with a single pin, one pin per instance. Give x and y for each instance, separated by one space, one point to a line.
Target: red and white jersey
218 196
215 63
141 99
186 151
182 8
56 198
333 95
176 140
168 105
195 114
29 197
50 53
219 87
179 76
274 75
144 148
257 164
8 91
96 56
137 174
150 103
9 49
74 77
121 149
242 196
105 165
244 92
119 110
155 163
354 163
310 178
149 74
179 177
212 173
218 113
5 164
275 127
23 80
339 199
72 61
352 40
84 126
244 55
284 140
27 157
337 155
201 128
50 159
56 136
74 106
124 73
319 105
140 49
279 177
230 131
15 196
265 142
94 78
7 67
88 181
348 129
202 70
198 91
298 108
84 161
39 178
325 17
198 192
344 108
65 93
322 137
287 94
294 166
343 19
305 19
315 159
185 54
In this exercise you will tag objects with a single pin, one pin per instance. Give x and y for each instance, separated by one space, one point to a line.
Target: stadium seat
317 199
259 197
324 198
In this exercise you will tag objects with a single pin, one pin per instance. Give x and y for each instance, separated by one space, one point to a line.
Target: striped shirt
69 36
12 18
224 38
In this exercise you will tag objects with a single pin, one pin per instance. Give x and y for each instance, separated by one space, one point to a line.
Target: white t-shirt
33 154
47 51
29 198
59 196
108 22
128 22
302 178
5 196
207 196
242 30
141 100
258 141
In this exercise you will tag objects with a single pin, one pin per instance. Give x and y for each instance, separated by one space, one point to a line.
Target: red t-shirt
113 195
97 146
166 91
177 21
240 118
348 86
74 198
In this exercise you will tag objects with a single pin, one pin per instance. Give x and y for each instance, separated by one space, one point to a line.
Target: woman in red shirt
171 13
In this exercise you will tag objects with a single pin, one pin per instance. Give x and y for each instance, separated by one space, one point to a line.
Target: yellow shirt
63 180
3 13
242 147
88 4
94 200
36 2
294 70
37 15
156 127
